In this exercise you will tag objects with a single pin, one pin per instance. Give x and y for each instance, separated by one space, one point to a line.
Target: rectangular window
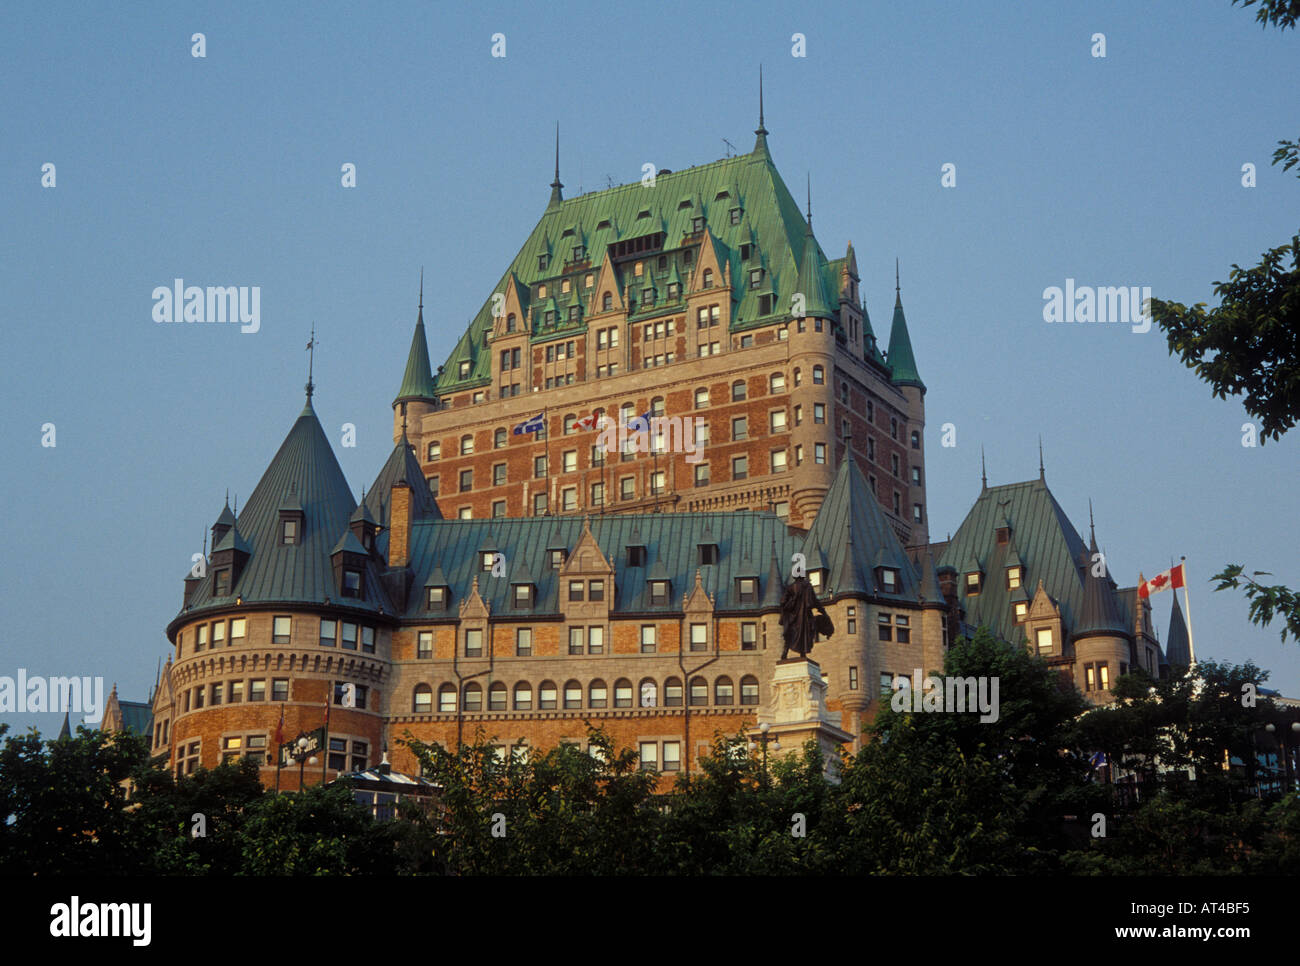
236 692
367 640
885 627
539 467
1090 678
466 480
279 689
595 640
776 421
219 634
672 756
904 630
886 683
257 690
575 590
740 428
577 640
349 637
853 678
1044 640
201 641
650 752
597 590
524 641
819 453
424 645
819 412
280 630
1103 675
328 632
474 642
499 474
217 692
648 640
739 467
699 637
748 636
778 461
852 620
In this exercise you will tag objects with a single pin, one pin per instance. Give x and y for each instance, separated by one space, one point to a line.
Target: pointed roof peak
902 361
417 379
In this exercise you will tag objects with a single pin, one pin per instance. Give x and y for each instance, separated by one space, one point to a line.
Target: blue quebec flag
531 425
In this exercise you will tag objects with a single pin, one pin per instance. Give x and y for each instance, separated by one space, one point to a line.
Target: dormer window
888 579
1021 610
636 556
352 583
747 589
659 591
486 559
523 596
578 251
542 262
222 583
815 578
708 553
735 216
464 369
697 225
1003 534
1015 575
755 277
557 556
974 583
437 598
289 531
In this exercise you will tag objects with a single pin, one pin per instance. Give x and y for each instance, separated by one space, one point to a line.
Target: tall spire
417 380
1092 529
557 189
809 177
311 360
901 359
984 475
1041 475
760 133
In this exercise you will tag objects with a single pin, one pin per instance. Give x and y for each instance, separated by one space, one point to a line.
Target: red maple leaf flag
586 423
1173 577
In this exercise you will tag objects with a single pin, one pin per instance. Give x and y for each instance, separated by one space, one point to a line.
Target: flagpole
325 749
279 753
1187 584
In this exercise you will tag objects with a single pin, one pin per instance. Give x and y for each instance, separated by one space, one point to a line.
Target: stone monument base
797 712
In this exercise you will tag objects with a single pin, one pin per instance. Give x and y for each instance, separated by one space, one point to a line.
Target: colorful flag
1173 577
586 423
536 424
640 424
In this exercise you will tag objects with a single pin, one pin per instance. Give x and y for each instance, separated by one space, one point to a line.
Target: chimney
399 535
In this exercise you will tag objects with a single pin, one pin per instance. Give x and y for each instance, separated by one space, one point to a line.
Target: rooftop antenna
1040 456
898 289
809 176
557 194
1092 530
731 148
984 476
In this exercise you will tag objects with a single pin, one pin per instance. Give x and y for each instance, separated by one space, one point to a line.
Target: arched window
435 451
657 406
598 694
625 413
708 278
749 689
510 322
622 693
523 696
701 398
738 390
466 444
819 376
673 693
723 691
473 696
423 702
647 693
572 694
497 696
607 303
546 696
499 439
447 697
699 692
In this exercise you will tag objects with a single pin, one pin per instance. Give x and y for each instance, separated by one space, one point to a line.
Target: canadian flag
586 423
1173 577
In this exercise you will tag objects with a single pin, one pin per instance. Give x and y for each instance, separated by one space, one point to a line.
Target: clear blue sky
225 170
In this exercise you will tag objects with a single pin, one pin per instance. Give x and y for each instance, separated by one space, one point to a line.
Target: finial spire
898 289
419 318
227 496
809 175
311 361
1092 530
1040 456
760 133
984 476
557 193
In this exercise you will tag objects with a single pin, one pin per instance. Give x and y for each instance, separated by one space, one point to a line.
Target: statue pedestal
797 712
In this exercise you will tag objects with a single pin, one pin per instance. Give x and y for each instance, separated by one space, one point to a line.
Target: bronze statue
799 625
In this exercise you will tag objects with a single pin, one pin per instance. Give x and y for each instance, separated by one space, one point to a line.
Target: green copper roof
767 219
1178 648
400 465
1046 544
850 522
902 362
812 279
1099 614
304 466
417 381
